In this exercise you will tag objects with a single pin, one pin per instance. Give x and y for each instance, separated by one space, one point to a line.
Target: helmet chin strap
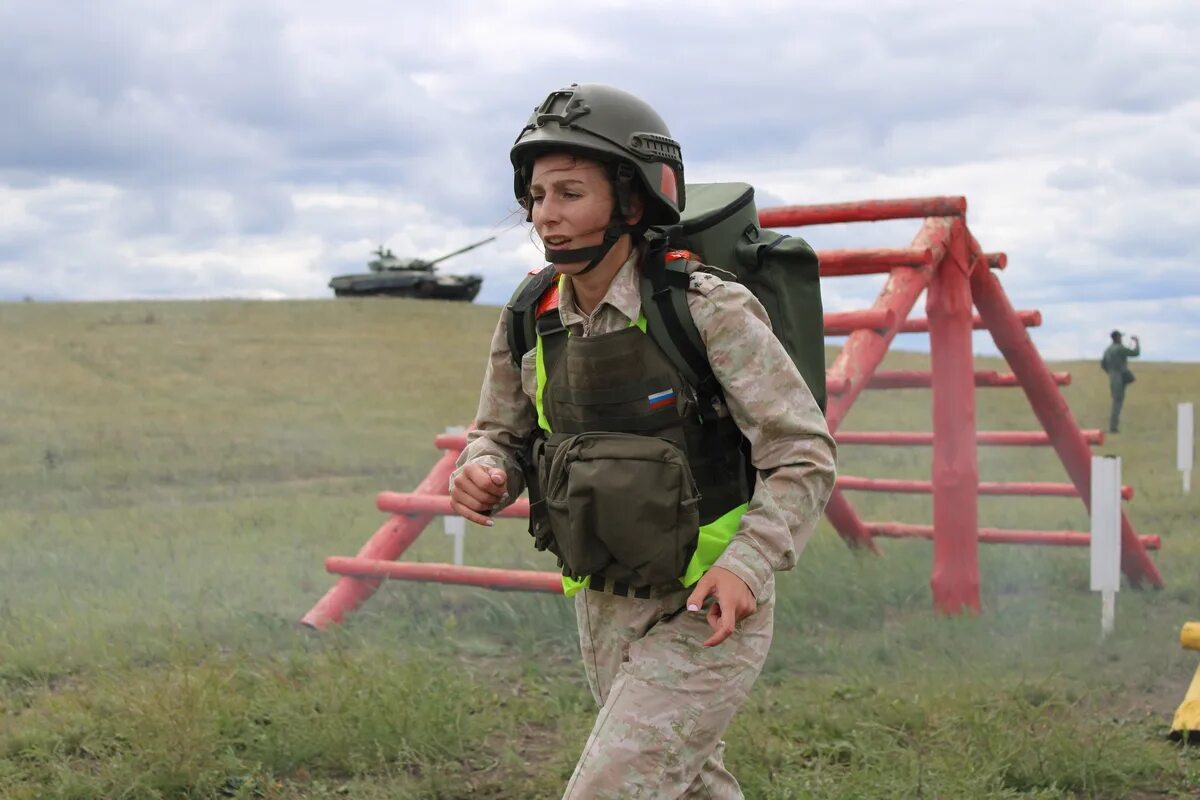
594 254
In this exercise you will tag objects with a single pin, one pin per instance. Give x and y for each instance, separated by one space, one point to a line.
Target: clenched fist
476 490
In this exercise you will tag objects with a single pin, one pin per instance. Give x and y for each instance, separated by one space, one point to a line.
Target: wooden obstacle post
955 578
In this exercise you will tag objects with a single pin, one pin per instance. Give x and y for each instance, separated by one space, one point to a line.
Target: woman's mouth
557 242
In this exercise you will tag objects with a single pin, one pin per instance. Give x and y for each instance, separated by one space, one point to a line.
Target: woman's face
572 203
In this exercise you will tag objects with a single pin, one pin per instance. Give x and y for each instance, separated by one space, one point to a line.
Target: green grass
172 476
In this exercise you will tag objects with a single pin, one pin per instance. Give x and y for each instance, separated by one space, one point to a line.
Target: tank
390 276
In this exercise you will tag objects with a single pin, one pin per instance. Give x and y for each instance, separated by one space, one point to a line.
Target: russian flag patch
661 399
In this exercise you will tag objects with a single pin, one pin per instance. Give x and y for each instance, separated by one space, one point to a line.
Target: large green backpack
719 225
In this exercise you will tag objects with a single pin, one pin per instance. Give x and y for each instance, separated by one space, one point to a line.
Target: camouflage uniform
666 700
1116 363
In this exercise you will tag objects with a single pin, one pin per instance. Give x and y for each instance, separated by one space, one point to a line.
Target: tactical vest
627 481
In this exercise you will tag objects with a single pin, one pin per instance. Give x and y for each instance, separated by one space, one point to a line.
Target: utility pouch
532 460
1127 376
622 505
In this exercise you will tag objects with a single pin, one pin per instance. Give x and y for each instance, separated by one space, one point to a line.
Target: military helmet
611 126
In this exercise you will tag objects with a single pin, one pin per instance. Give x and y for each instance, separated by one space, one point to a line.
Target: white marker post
1185 448
1106 536
455 525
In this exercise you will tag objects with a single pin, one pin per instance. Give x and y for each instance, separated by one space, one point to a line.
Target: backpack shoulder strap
669 320
522 311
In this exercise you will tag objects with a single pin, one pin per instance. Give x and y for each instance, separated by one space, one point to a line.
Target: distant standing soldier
1116 363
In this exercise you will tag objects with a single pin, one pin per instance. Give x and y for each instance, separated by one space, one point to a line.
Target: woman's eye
535 199
571 195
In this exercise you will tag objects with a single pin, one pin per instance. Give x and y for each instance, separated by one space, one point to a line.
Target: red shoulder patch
548 300
676 255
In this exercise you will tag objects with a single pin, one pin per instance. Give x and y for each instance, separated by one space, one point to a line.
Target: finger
483 476
470 514
714 615
714 621
724 629
493 481
483 505
485 495
703 589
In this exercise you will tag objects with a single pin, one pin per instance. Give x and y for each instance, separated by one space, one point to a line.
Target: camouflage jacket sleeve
504 418
790 445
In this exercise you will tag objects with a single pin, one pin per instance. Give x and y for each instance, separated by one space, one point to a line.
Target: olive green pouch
532 459
622 505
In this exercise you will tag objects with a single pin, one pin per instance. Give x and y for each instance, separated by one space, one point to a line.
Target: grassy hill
172 476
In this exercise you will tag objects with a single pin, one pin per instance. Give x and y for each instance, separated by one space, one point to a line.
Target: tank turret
385 260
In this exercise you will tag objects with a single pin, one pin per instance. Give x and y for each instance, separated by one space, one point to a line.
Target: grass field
172 476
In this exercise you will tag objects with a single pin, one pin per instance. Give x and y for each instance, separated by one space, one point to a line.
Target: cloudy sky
254 148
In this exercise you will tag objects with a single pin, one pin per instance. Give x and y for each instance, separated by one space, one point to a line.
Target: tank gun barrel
462 250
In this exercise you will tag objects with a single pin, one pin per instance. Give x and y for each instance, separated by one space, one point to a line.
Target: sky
255 148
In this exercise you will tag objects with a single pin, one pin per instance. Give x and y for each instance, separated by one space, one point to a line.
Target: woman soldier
668 541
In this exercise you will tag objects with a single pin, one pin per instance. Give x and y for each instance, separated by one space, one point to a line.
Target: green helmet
613 127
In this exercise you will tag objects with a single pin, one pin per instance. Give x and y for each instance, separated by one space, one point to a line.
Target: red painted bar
844 323
456 442
851 483
993 260
923 379
439 505
450 441
955 575
409 503
1053 412
393 538
485 577
900 530
993 438
1030 319
864 349
862 211
870 262
846 522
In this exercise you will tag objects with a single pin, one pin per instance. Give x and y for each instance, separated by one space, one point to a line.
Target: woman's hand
475 492
734 602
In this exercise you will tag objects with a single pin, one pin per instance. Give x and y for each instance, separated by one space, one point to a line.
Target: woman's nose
546 212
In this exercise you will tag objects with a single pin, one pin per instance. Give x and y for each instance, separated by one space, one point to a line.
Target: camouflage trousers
665 701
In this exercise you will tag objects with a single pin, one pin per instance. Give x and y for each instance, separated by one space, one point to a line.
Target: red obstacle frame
946 262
